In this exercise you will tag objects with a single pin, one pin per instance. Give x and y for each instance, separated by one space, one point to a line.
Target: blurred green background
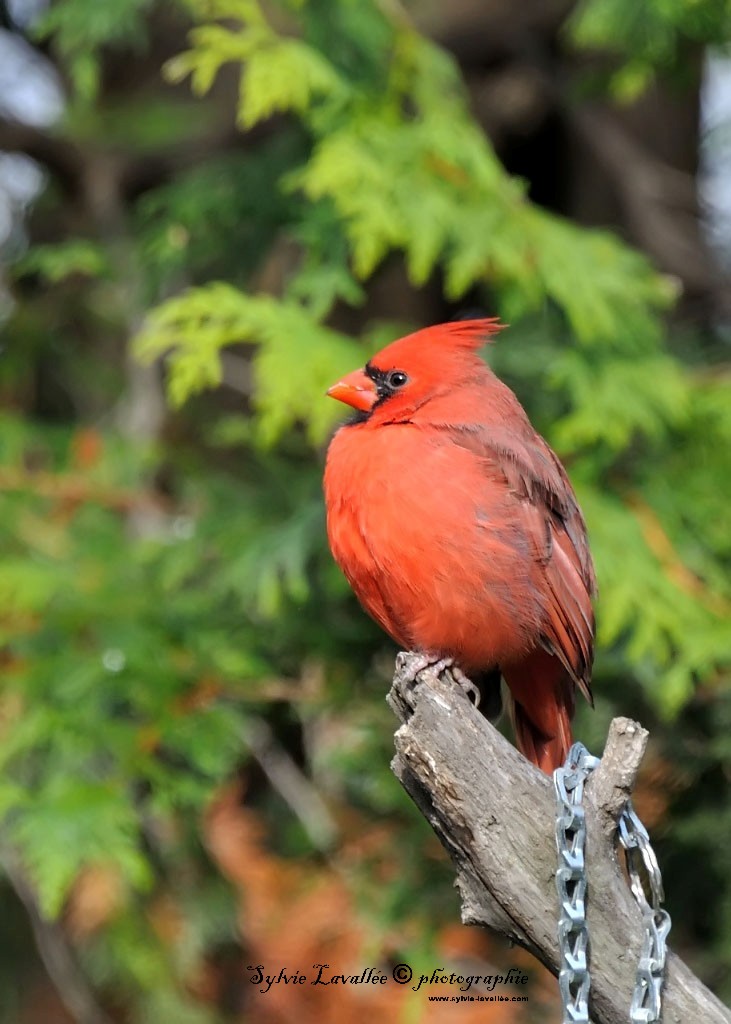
210 209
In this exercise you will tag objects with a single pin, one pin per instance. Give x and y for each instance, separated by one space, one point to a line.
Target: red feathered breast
432 541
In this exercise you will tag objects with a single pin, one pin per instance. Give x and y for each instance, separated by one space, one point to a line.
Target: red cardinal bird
459 531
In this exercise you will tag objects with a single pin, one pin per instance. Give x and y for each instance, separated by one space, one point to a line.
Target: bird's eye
396 379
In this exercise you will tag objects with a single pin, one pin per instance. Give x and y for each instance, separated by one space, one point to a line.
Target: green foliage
405 167
216 219
663 615
159 642
195 326
69 822
278 75
617 398
121 124
648 37
55 262
81 27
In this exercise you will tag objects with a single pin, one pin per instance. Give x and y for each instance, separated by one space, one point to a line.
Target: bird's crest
431 345
473 333
469 334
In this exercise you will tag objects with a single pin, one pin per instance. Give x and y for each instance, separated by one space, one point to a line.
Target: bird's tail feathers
548 752
541 706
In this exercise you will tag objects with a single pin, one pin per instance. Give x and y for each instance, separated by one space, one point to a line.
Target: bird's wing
552 518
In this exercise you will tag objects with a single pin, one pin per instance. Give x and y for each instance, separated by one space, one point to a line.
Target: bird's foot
414 663
463 681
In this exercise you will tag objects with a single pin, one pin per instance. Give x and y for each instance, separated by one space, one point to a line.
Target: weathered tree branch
55 951
58 155
494 814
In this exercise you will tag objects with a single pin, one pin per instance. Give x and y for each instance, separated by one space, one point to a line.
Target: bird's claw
463 681
411 664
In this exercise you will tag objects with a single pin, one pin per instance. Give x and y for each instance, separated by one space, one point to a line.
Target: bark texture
494 813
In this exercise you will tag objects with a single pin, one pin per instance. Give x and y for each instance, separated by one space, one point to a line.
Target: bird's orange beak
357 389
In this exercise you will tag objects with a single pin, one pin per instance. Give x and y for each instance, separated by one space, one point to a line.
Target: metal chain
574 979
573 934
647 995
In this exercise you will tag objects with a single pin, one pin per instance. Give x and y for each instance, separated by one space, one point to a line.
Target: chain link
647 995
573 934
574 978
